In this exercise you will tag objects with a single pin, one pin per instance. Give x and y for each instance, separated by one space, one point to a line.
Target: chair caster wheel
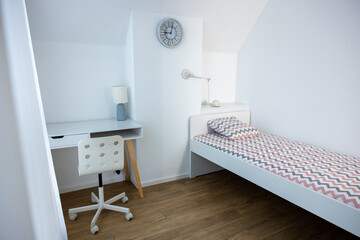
93 200
129 216
94 229
124 199
72 216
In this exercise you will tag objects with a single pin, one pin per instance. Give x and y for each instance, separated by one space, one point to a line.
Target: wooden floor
215 206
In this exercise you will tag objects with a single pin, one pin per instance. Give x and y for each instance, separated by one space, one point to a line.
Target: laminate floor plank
220 205
204 224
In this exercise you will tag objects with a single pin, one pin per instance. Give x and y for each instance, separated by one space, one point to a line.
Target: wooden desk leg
127 175
134 165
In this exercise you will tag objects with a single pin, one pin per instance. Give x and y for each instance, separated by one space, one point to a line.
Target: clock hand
172 27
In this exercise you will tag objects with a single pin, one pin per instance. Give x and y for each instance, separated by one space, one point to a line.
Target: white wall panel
30 197
165 101
299 71
221 68
76 79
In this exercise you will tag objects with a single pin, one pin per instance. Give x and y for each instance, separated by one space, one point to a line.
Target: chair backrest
98 155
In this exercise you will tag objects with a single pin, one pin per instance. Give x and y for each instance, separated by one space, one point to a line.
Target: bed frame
205 159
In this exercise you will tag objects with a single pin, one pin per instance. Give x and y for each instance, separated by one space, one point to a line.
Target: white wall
226 22
299 71
165 101
30 203
14 201
76 79
221 68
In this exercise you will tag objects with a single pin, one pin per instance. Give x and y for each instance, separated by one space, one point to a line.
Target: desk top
92 126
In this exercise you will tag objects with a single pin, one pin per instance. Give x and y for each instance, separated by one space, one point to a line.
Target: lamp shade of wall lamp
120 97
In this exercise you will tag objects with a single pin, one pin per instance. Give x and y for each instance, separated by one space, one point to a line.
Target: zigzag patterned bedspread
332 174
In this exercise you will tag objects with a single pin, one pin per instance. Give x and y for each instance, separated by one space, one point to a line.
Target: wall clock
169 32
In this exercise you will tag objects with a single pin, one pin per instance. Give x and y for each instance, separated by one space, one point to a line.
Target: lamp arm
186 74
193 76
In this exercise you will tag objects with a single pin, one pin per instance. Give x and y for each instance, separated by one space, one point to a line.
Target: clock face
169 32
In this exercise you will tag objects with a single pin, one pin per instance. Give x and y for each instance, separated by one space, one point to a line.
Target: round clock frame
169 32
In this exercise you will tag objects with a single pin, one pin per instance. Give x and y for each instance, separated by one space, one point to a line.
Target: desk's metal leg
134 165
127 175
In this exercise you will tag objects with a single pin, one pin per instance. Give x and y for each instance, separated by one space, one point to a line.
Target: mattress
332 174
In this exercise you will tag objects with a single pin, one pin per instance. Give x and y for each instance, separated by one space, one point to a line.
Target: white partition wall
164 101
12 169
30 202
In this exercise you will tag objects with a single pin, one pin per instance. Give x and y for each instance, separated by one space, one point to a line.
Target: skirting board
89 184
75 187
164 179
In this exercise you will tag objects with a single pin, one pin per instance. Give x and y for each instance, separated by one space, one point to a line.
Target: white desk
65 135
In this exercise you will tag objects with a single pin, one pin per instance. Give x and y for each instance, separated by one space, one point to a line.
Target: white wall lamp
186 74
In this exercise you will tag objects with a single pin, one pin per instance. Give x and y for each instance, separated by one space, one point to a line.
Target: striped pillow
232 128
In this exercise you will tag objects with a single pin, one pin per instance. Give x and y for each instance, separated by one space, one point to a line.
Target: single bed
322 182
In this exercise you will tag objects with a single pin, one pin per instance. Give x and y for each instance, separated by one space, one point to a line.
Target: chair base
100 205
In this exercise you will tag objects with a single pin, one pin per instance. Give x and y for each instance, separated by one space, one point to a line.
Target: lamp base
120 112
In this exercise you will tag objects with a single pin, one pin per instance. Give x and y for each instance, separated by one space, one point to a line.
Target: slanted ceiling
226 22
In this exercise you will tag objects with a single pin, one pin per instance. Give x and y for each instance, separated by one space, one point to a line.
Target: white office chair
98 155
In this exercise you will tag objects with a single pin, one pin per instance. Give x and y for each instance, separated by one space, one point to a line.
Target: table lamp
120 97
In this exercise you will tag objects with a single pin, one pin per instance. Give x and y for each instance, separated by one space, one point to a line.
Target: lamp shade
120 94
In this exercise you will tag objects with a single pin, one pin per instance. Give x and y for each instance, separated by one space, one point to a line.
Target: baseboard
163 180
88 184
75 187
